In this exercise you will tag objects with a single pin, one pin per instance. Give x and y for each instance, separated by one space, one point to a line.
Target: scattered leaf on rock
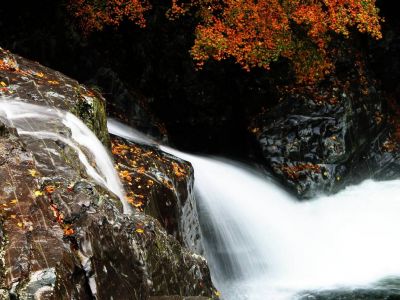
38 193
68 231
125 175
33 172
50 189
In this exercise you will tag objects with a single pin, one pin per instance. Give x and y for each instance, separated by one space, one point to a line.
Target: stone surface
319 138
62 236
357 294
161 185
34 83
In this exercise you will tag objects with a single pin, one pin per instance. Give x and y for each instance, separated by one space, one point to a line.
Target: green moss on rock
90 108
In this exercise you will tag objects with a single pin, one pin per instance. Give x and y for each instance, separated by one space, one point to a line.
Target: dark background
205 111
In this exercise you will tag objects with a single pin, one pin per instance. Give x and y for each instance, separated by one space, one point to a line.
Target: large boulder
161 185
62 234
320 137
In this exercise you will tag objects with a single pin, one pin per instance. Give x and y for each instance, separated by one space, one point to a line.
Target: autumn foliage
256 33
93 15
253 32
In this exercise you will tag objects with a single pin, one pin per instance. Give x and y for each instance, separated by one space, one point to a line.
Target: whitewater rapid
261 243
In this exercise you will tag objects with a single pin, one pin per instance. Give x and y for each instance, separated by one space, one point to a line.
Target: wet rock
161 185
177 298
314 138
3 130
34 83
63 236
40 284
358 294
27 224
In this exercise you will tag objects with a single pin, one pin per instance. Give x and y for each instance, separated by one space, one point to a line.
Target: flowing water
263 244
50 123
260 242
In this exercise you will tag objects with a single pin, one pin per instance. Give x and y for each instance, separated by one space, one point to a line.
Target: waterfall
263 244
260 242
62 126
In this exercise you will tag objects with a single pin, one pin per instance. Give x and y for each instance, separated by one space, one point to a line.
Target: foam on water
259 241
263 244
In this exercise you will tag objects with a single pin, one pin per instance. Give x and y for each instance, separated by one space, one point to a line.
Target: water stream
62 126
263 244
259 241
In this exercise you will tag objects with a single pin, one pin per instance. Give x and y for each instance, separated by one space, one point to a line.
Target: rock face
384 293
62 235
321 137
32 82
161 185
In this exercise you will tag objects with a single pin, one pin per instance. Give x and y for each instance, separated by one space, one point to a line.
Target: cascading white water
50 123
129 133
263 244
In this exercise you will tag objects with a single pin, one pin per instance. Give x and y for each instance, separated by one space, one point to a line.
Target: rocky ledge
62 235
322 137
